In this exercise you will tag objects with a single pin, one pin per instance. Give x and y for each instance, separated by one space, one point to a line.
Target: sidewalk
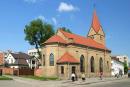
93 80
64 83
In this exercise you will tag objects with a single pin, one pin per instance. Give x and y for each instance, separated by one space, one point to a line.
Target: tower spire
95 22
96 32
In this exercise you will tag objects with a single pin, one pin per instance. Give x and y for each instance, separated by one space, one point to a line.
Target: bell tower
96 32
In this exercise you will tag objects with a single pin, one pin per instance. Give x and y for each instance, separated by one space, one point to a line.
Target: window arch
92 64
101 65
82 64
51 59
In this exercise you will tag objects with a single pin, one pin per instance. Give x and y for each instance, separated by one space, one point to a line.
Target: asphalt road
19 82
118 83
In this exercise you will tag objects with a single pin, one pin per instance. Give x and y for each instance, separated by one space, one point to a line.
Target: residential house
116 66
17 60
35 61
123 58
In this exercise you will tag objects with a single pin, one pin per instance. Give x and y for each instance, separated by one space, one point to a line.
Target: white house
17 60
34 62
123 58
116 66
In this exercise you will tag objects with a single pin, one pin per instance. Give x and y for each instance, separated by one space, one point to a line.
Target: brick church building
65 53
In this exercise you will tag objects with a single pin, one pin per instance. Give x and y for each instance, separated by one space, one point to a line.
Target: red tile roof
55 38
95 22
67 58
83 40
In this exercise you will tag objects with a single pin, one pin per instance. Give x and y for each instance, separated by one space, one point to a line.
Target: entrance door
73 69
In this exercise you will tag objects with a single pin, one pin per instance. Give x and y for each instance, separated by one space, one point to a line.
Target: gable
101 32
91 32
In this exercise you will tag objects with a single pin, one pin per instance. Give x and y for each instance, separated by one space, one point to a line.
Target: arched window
51 59
101 65
43 60
82 64
92 64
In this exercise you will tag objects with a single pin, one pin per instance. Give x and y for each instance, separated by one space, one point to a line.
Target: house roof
55 38
21 62
20 55
21 58
67 58
116 59
95 22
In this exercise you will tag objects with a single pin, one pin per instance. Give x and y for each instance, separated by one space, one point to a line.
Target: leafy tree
66 29
125 68
37 32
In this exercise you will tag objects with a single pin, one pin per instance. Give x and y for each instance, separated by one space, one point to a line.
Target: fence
17 72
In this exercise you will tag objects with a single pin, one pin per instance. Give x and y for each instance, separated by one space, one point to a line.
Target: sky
114 16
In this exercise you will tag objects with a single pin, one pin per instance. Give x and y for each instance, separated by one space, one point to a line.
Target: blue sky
73 14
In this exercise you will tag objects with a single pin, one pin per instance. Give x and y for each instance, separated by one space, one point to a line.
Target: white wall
10 59
116 66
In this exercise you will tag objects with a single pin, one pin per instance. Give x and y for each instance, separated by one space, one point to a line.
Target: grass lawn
41 78
5 78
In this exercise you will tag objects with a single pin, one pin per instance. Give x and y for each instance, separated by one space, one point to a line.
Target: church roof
95 22
76 40
83 40
55 38
67 58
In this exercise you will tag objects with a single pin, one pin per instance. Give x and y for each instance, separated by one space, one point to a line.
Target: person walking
101 75
83 77
73 77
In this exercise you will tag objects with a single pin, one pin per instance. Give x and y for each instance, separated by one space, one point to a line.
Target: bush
5 78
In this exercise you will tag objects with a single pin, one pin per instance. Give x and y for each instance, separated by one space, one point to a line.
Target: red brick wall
8 71
1 58
38 72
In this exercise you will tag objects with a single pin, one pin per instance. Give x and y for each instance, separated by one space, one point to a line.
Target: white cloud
64 7
54 20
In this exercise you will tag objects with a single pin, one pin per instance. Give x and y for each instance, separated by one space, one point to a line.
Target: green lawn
5 78
41 78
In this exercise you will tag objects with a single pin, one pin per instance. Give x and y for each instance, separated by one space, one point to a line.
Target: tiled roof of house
20 58
55 38
20 55
20 62
67 58
95 22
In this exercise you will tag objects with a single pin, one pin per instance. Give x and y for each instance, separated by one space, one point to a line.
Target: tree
125 68
37 32
66 29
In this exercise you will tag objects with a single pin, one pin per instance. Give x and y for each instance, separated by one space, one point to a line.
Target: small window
101 37
62 69
33 62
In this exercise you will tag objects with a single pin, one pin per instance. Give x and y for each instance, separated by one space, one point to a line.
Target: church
66 53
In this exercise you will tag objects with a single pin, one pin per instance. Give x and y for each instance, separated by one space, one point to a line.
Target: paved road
22 82
118 83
